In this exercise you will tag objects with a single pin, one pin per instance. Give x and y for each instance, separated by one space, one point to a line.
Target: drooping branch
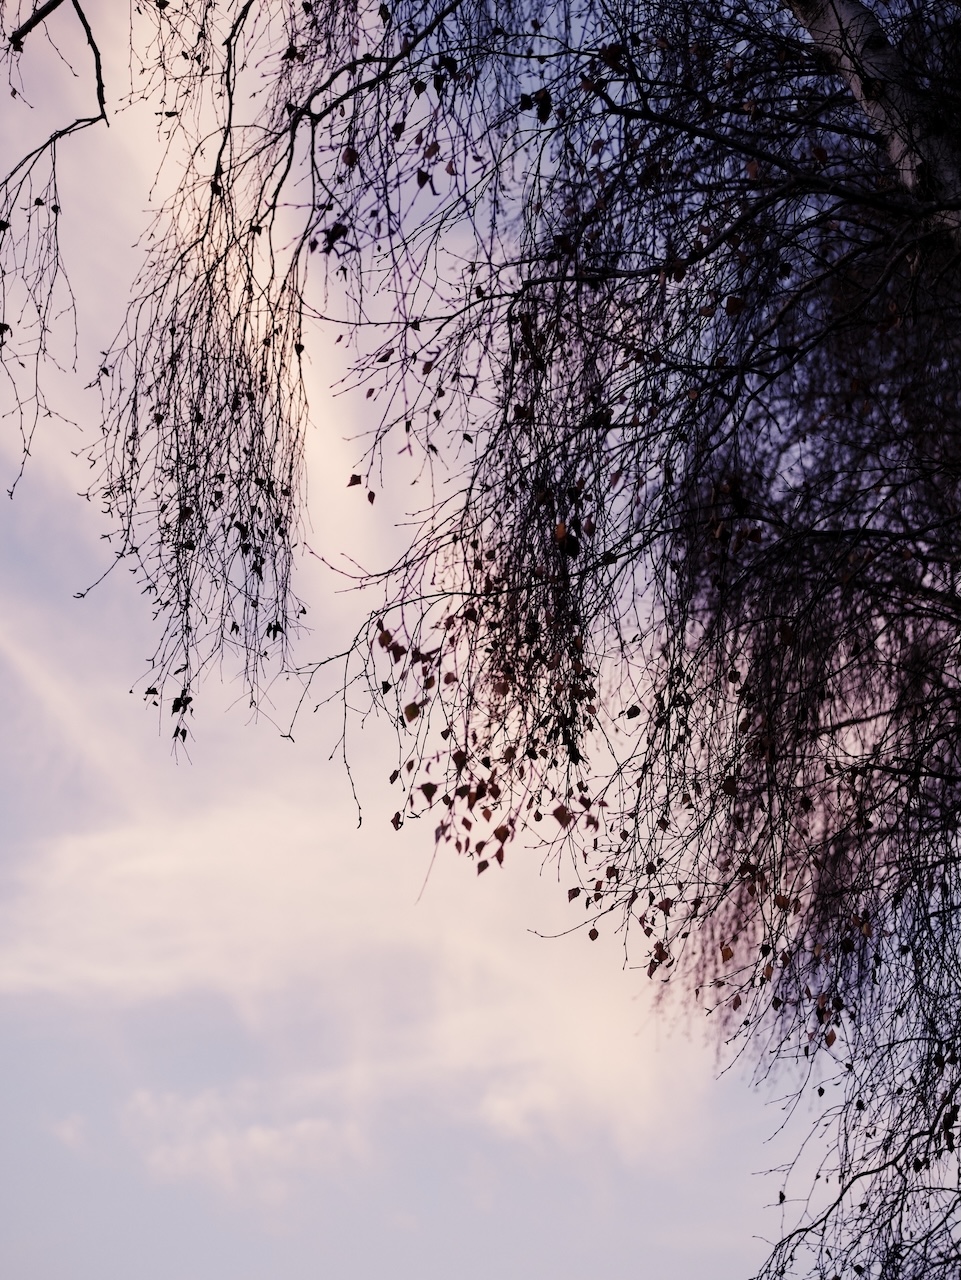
854 42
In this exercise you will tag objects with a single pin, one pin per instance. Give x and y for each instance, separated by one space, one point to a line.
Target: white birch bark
850 36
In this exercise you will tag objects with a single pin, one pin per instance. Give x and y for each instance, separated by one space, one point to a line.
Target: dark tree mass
666 294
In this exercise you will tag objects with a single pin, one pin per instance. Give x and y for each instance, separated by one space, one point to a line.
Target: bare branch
36 18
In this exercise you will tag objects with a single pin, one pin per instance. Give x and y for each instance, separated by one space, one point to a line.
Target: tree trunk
850 36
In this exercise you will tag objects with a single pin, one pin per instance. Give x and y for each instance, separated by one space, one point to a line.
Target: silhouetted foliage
669 294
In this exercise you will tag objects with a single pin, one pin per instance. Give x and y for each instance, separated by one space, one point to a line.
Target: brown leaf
354 480
562 815
429 789
411 712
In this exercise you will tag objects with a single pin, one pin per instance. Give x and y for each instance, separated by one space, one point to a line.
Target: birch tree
666 297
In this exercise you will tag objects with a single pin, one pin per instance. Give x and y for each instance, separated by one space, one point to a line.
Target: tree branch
40 15
97 62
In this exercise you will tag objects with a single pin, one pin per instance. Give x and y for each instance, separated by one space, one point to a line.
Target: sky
240 1036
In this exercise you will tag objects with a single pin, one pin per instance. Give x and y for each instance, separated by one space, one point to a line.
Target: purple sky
233 1044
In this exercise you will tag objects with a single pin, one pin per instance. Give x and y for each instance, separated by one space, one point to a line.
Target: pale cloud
242 1142
315 940
70 1130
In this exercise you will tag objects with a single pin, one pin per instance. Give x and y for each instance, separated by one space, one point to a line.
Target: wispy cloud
315 940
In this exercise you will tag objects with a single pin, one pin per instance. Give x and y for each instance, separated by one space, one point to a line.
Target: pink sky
233 1043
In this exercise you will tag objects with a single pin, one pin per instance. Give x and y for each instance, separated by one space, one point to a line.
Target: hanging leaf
544 105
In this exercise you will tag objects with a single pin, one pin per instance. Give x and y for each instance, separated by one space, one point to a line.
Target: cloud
312 936
252 1142
71 1130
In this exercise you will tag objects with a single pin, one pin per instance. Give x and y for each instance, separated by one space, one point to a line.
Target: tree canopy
666 296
